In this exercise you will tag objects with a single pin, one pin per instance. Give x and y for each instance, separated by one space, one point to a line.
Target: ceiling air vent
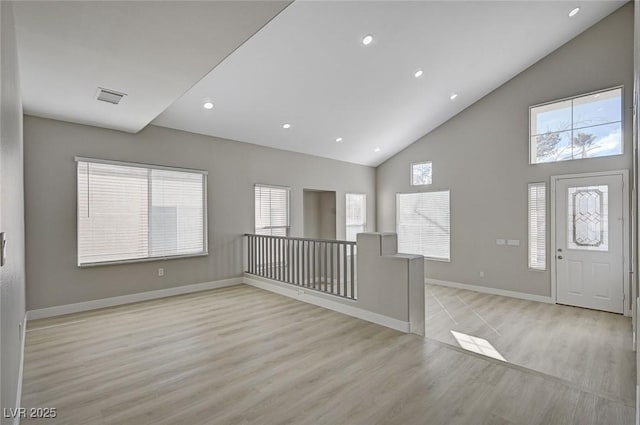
109 96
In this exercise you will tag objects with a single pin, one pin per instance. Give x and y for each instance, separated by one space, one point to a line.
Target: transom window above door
580 127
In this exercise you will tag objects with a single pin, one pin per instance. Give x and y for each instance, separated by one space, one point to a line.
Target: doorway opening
319 208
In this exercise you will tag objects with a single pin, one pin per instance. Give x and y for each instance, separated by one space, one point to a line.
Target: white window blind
272 210
423 224
129 212
356 215
537 226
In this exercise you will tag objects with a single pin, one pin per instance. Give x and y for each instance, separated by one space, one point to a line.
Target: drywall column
12 273
389 283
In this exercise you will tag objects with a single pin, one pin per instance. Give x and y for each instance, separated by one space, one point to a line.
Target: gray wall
481 155
328 216
12 275
234 167
311 214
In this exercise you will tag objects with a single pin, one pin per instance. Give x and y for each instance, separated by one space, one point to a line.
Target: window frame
364 209
546 226
622 122
443 260
273 186
411 173
205 216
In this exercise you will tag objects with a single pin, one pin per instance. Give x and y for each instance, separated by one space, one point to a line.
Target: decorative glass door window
588 218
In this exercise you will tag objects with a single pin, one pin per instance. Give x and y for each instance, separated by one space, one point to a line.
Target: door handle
559 257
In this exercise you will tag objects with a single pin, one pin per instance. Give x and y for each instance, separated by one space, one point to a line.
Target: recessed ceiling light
287 125
418 73
367 39
207 105
453 96
339 139
376 150
574 12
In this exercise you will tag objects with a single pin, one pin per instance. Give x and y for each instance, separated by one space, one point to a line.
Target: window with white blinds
135 212
356 215
272 210
537 226
423 224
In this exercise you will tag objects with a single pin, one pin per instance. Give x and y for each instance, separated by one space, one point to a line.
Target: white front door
589 242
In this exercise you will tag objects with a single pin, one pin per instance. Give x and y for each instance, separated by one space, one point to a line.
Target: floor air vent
109 96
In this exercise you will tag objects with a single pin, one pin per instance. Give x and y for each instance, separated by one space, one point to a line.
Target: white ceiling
308 67
153 51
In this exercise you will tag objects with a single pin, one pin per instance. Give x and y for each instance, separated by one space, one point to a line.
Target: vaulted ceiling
153 51
265 64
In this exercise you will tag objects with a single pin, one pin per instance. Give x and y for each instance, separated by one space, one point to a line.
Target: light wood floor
590 348
241 355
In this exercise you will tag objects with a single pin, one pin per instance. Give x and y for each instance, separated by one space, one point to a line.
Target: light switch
500 241
513 242
3 249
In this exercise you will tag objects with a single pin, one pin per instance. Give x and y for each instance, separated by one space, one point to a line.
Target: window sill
441 260
141 260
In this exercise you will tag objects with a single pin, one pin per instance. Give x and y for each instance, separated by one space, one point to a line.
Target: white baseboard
492 291
16 420
128 299
341 306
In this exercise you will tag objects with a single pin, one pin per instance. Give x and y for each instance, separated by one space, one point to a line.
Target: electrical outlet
513 242
500 242
160 272
481 274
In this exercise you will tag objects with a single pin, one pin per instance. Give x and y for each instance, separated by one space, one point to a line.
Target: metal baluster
275 258
330 260
253 254
265 265
308 263
279 259
269 242
353 281
305 259
287 274
252 264
344 251
326 267
270 257
299 263
274 263
315 264
338 267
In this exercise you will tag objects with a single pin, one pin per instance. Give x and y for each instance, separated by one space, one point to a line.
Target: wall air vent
109 96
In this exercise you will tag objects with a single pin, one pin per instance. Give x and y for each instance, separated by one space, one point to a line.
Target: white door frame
625 231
